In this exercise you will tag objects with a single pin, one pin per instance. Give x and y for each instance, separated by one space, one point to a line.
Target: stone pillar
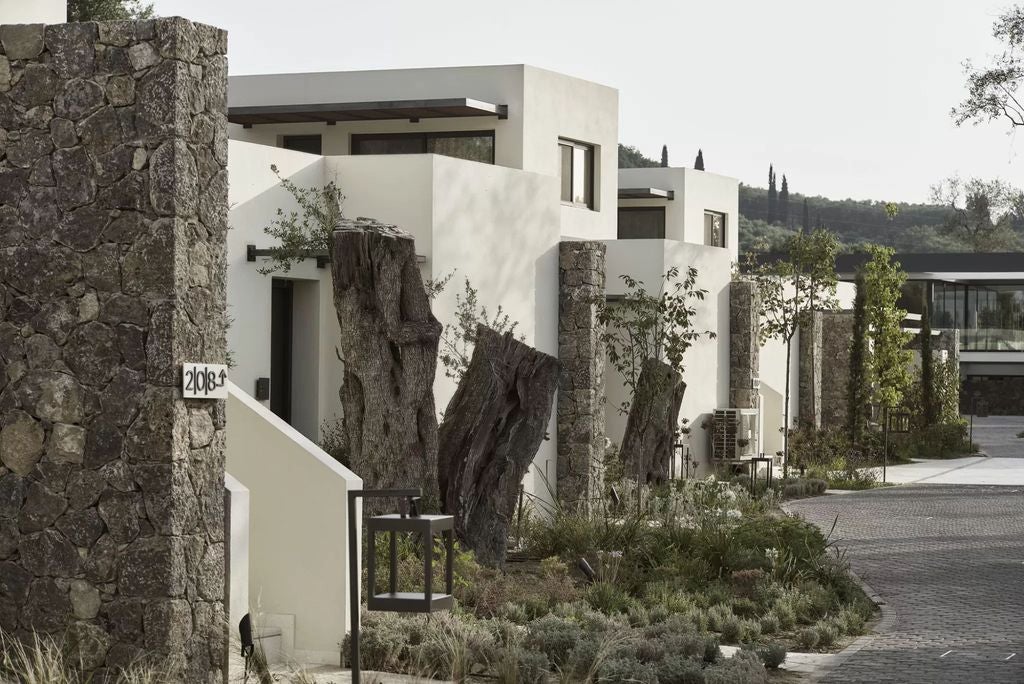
113 203
744 345
809 372
836 334
581 395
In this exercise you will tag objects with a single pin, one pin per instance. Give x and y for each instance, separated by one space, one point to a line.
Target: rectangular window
714 229
641 223
313 144
475 146
577 172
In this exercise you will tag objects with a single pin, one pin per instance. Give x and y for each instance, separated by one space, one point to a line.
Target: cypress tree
773 197
699 162
857 392
664 156
807 217
928 406
784 202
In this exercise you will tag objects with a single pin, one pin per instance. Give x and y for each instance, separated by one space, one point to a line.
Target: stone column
113 204
809 372
744 345
836 334
581 395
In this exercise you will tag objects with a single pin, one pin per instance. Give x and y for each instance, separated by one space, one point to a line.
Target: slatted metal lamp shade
427 527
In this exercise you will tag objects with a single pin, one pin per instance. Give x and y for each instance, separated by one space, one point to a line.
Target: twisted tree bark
388 344
646 450
492 429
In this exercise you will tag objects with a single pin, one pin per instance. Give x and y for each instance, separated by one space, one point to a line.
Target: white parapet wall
298 530
33 11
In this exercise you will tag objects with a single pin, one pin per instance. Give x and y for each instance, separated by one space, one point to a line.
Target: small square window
714 229
576 162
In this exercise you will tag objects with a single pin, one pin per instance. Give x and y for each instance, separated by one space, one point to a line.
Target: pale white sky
848 99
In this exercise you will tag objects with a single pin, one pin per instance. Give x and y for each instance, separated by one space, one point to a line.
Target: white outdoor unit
734 434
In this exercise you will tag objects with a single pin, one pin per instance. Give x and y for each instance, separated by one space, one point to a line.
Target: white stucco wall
298 532
695 193
707 362
33 11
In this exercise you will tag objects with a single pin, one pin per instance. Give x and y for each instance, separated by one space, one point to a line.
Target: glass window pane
565 152
641 223
579 175
311 144
588 177
479 148
714 229
391 144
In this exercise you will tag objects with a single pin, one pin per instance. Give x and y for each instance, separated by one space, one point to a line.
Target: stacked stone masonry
810 371
113 213
581 394
744 345
836 334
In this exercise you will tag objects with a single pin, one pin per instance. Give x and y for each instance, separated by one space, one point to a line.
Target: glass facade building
989 316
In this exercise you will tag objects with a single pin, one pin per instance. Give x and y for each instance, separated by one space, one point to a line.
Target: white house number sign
204 381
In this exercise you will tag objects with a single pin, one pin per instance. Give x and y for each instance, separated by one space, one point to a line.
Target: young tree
858 389
664 156
773 197
928 404
784 202
646 336
981 212
108 10
305 232
791 288
698 163
458 339
890 362
992 90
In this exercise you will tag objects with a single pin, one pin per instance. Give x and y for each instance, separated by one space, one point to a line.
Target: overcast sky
848 99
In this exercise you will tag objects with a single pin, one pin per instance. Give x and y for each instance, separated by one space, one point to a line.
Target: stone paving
949 563
997 436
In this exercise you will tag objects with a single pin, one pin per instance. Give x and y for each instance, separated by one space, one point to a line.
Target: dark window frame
725 228
639 210
285 139
424 136
586 147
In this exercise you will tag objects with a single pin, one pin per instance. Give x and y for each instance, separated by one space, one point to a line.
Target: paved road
950 561
997 436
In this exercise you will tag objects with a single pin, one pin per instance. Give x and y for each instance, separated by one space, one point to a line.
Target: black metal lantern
408 521
427 527
899 422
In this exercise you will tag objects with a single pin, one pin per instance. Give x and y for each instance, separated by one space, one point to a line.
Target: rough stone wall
113 213
836 334
581 396
809 372
744 345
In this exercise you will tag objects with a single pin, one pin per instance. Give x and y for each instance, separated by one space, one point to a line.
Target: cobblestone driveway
950 561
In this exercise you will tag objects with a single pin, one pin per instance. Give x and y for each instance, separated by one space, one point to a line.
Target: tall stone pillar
581 394
113 205
836 335
744 345
809 372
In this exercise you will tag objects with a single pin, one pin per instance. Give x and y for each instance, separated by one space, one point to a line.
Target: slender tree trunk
492 429
388 344
785 410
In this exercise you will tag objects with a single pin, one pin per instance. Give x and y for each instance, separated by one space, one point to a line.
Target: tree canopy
632 158
992 88
108 10
982 213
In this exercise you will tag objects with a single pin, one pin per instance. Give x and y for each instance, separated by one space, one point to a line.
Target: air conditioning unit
734 434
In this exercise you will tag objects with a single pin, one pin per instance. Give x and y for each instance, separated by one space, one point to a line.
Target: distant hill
915 228
632 158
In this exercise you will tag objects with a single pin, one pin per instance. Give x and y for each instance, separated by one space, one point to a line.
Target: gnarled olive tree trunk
650 429
388 344
492 429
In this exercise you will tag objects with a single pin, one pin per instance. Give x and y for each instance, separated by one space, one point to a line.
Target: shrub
744 607
554 636
743 668
784 611
770 623
807 638
513 612
520 666
717 616
750 631
676 669
732 629
607 597
828 633
851 621
772 655
617 670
